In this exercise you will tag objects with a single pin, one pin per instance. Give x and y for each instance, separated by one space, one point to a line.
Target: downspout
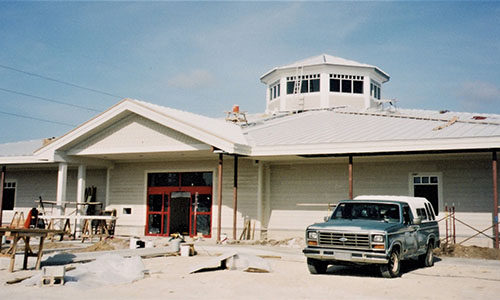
2 184
350 178
219 196
495 198
235 195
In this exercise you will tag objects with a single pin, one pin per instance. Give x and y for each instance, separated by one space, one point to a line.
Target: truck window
367 211
406 215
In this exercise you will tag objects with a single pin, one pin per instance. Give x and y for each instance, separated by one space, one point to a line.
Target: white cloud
193 79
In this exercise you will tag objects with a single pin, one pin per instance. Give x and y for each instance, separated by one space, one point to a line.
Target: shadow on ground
407 266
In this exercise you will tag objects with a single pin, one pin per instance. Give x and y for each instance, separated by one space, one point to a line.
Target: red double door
185 208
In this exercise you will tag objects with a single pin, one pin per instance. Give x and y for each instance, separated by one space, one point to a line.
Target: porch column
235 195
260 196
62 177
350 178
80 193
2 183
495 198
267 207
108 181
219 196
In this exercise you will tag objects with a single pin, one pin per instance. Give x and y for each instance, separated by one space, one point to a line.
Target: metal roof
24 148
327 60
363 128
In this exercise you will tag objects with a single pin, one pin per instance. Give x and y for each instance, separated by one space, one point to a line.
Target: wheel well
396 247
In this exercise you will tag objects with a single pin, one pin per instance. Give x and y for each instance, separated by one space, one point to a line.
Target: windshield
367 211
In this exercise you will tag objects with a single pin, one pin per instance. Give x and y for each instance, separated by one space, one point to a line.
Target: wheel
391 269
427 259
316 266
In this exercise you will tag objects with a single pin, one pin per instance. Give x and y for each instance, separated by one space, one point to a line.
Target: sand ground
169 278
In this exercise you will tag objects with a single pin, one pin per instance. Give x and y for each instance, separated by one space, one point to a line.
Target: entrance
427 187
179 203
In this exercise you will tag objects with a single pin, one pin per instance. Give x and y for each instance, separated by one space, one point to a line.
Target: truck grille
345 240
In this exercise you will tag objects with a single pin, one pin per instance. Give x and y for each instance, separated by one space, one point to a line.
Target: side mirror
417 221
326 218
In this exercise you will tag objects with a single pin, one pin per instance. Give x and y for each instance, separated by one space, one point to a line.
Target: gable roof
218 133
326 59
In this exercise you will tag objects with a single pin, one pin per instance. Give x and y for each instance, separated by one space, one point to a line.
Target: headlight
378 238
312 235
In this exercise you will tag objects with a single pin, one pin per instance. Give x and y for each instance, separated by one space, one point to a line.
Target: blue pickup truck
381 230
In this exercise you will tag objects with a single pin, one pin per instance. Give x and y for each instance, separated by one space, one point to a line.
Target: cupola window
310 84
350 84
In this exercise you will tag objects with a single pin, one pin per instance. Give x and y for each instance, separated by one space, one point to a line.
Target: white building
326 137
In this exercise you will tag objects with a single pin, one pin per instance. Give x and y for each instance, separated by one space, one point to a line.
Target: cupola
322 82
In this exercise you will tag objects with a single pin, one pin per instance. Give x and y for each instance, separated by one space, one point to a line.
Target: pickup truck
379 230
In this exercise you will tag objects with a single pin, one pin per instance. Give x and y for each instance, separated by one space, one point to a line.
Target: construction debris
106 269
234 261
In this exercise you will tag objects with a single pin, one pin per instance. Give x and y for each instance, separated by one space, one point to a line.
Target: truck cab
381 230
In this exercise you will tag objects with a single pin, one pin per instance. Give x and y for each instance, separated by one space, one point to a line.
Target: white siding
34 183
137 134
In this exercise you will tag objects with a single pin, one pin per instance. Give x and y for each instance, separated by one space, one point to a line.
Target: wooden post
2 183
350 178
219 196
235 195
495 198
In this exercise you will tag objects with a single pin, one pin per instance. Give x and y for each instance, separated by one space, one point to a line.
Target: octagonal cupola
322 82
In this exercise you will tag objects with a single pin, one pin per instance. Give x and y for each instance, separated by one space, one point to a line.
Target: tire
392 268
316 266
427 260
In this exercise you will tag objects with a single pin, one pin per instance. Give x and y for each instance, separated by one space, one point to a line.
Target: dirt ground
169 278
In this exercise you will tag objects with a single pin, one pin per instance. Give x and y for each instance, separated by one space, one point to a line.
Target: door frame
169 189
439 175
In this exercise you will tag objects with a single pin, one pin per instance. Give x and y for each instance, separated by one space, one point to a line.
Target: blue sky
204 57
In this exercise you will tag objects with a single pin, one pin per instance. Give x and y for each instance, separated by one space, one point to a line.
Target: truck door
411 233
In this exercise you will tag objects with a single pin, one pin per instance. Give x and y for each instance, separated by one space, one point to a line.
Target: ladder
299 74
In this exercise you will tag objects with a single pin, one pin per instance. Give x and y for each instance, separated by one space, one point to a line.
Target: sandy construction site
159 274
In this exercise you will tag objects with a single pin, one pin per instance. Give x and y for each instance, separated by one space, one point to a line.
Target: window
357 87
334 85
349 84
274 91
9 195
422 214
375 90
309 84
346 86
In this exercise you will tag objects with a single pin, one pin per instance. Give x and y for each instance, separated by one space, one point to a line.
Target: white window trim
439 175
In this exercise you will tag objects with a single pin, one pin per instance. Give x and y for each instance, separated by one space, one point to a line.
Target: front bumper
353 256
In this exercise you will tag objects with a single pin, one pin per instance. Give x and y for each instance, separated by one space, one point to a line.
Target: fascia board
196 132
10 160
117 109
139 149
382 146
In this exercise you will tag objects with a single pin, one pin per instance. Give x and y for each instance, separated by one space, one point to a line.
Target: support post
494 164
260 191
350 178
219 196
2 184
235 195
80 193
62 177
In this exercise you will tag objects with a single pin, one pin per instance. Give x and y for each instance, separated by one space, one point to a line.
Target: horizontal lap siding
34 183
466 183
